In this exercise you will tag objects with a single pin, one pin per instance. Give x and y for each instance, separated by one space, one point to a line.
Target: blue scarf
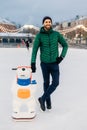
23 82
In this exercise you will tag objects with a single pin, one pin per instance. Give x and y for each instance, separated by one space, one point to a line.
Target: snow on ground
69 101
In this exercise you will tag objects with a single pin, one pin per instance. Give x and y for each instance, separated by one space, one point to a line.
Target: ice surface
69 101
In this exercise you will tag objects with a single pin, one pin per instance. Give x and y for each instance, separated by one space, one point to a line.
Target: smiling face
47 24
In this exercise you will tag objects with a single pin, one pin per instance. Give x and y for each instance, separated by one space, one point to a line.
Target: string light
64 31
4 29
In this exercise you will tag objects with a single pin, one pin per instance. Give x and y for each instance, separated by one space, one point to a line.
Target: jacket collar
42 30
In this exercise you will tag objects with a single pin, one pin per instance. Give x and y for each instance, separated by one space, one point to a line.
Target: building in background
74 30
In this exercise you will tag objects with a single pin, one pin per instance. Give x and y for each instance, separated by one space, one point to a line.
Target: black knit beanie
46 17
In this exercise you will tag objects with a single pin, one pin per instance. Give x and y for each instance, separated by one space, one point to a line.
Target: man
48 40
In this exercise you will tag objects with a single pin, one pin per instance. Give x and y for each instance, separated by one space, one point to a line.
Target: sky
69 101
33 11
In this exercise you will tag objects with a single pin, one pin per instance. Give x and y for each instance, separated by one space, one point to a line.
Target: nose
23 69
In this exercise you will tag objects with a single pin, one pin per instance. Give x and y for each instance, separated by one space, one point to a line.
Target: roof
5 21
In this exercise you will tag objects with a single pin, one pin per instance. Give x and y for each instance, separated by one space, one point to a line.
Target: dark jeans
47 70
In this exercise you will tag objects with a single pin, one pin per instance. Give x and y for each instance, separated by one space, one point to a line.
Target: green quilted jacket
48 42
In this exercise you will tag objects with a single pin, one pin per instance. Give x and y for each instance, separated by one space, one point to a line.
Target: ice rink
69 101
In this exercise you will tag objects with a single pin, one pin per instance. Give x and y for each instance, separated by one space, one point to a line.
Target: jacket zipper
49 46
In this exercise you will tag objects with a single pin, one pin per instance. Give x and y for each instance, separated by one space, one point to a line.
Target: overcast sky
33 11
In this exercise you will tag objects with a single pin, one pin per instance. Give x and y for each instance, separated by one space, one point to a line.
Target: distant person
48 41
27 42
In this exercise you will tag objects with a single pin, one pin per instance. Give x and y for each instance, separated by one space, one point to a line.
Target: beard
47 27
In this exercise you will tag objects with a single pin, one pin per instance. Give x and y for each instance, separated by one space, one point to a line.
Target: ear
31 76
14 68
30 70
